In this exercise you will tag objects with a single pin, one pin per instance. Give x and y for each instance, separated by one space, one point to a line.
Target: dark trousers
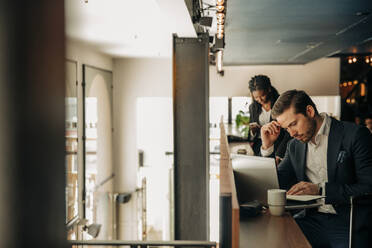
256 147
325 230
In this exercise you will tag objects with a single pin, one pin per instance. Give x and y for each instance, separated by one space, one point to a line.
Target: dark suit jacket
349 165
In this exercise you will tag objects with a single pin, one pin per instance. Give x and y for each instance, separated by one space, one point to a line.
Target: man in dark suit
326 157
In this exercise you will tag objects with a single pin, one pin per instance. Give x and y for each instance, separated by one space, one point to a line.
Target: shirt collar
324 128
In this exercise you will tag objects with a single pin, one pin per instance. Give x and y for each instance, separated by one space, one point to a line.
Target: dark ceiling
295 31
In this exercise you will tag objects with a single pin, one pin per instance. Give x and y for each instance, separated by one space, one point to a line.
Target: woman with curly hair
264 96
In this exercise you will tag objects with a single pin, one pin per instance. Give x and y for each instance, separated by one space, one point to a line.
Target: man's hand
269 133
304 188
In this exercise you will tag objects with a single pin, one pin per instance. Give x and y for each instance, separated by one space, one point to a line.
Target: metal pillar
191 137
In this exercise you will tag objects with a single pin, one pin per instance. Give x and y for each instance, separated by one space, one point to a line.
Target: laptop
255 175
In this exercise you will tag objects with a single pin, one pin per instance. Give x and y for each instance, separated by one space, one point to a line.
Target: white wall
87 55
133 78
319 78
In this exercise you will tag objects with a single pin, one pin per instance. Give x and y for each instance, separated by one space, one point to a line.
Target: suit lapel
301 155
334 142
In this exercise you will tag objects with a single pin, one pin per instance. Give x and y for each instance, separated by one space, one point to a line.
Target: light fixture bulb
354 59
220 15
220 2
220 21
220 8
362 89
350 61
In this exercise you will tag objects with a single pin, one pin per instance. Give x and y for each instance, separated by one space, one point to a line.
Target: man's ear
310 111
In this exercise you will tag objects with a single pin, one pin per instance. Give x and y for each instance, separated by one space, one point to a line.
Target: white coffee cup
276 198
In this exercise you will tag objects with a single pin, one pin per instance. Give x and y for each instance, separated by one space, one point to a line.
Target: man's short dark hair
368 116
296 98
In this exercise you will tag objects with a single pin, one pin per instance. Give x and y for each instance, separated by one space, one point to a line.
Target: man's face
298 126
260 96
368 122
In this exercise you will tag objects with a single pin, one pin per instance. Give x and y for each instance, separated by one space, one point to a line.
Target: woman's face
260 96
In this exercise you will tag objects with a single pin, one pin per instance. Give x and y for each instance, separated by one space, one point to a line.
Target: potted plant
242 123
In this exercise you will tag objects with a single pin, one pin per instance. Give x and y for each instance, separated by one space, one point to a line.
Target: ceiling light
220 15
362 89
220 8
367 60
350 61
220 2
220 21
354 59
350 83
344 84
355 81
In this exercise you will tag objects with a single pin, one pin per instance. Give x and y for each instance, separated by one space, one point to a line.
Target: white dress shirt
316 160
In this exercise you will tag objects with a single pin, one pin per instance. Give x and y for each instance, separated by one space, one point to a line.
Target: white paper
304 197
303 206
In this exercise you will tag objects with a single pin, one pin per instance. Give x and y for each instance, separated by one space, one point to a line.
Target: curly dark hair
259 82
262 82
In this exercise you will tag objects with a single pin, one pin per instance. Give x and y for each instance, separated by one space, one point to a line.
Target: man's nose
292 132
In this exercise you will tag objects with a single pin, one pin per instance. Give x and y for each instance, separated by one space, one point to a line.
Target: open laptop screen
253 177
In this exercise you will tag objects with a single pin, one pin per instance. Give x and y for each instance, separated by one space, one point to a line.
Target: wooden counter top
271 232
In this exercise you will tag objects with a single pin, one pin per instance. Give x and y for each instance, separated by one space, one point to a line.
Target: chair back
360 221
